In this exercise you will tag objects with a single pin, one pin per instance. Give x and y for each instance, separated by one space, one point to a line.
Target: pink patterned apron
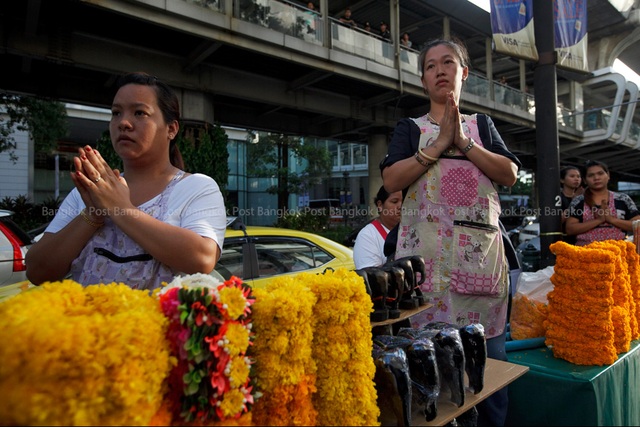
450 217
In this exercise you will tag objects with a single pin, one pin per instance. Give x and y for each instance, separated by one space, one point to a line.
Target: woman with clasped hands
447 164
141 227
600 214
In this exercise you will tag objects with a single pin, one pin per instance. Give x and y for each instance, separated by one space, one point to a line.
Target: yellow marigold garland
82 356
285 371
342 347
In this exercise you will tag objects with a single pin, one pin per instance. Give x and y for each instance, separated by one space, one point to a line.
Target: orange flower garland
620 314
634 281
583 289
594 309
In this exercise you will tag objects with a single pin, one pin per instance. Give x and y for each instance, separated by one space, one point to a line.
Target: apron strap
378 225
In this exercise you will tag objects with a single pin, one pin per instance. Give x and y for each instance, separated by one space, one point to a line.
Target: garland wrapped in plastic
73 355
210 333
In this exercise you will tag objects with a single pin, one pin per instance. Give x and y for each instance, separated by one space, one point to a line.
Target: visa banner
513 31
512 28
571 33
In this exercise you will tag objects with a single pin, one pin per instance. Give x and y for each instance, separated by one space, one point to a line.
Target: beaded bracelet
466 149
421 161
89 221
426 156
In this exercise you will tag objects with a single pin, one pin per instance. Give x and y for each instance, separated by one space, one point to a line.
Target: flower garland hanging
285 371
74 355
210 332
313 350
342 348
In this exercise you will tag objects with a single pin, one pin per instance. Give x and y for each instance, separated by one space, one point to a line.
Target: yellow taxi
258 254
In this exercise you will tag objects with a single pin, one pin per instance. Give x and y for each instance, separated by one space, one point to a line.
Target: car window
279 256
230 262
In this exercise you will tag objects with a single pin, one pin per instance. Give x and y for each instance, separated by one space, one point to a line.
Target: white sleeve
368 250
196 204
68 210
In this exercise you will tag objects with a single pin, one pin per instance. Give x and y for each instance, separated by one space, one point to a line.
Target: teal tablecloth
556 392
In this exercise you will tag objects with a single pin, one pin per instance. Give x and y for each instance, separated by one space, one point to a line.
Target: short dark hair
382 195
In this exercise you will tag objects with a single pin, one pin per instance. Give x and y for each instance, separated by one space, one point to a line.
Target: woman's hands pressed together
103 190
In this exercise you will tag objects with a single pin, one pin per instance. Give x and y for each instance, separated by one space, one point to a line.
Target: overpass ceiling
56 75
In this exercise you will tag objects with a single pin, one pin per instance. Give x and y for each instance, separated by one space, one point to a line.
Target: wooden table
404 314
497 374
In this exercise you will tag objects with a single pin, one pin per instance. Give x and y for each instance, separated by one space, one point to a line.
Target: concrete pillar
377 151
196 106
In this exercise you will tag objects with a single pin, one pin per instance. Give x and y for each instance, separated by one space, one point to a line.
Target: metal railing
297 21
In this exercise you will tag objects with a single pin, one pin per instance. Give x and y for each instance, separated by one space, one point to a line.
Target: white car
14 244
529 231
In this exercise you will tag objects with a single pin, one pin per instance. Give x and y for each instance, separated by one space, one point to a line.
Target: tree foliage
45 120
269 158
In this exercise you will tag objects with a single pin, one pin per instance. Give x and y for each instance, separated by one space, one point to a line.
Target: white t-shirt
368 250
195 203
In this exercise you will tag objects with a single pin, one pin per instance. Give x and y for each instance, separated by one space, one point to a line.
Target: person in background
570 186
593 117
405 40
145 225
600 214
368 250
347 19
310 18
367 26
448 165
384 31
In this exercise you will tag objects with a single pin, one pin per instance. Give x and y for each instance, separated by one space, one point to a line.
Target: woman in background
570 187
368 250
600 214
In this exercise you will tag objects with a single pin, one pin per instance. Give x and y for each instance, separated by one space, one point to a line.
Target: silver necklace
432 120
